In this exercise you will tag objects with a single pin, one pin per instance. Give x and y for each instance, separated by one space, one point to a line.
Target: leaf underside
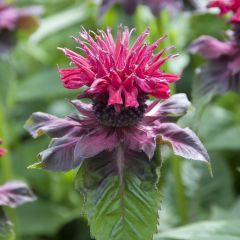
120 194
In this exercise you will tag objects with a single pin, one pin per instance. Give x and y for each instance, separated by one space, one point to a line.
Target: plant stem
5 163
179 190
161 22
158 159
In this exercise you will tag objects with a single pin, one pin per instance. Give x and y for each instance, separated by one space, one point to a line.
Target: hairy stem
158 159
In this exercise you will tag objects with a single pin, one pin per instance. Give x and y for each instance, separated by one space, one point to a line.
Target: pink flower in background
12 19
2 150
13 194
119 74
222 71
226 6
11 16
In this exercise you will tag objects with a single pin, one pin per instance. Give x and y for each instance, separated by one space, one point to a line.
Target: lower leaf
120 192
6 230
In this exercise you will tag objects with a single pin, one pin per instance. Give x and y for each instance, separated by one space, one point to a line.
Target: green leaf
121 195
44 85
7 81
6 230
219 130
60 21
42 217
199 21
208 230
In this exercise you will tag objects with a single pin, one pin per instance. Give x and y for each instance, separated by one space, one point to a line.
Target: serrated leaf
121 195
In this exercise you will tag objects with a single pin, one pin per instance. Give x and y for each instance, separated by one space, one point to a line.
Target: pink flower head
2 150
115 71
226 6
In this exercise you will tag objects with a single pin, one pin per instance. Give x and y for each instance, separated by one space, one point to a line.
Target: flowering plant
114 137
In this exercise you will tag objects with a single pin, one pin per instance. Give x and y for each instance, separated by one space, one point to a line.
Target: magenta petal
169 110
184 142
115 95
8 17
41 123
15 193
211 48
131 98
73 78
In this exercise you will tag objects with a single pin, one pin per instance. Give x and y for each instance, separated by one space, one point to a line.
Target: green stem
161 22
179 190
5 163
158 159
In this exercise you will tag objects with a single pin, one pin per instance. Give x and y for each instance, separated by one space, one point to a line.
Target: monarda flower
113 137
12 19
119 74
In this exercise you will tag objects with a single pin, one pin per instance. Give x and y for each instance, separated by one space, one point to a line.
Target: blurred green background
29 82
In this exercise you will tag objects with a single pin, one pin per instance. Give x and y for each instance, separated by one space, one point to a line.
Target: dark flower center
124 117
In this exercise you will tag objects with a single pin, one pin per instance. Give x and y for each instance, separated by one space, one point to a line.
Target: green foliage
43 217
120 195
208 230
6 232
